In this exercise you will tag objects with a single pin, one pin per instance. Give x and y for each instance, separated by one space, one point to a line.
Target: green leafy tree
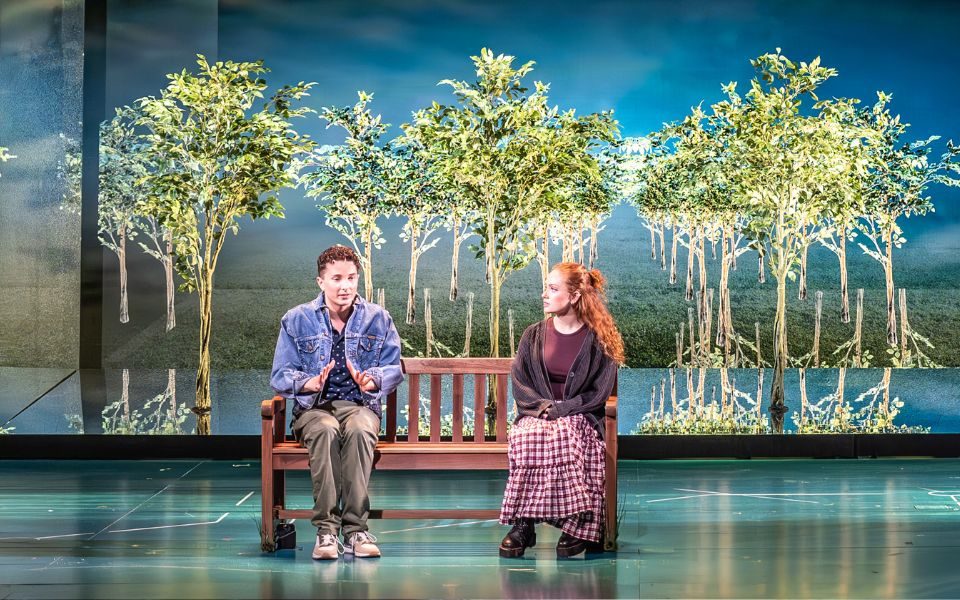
900 173
217 160
785 159
506 151
351 180
458 213
848 186
415 195
123 169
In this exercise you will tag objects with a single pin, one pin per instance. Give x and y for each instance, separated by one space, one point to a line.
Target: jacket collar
320 302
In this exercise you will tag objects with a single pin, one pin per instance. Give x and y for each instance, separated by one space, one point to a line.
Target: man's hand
364 381
315 384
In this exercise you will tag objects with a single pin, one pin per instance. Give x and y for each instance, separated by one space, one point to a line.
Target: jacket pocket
369 347
308 348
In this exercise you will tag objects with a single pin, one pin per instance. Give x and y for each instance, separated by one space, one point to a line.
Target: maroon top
559 351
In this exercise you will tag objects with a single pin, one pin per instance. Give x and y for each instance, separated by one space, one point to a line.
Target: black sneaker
523 535
568 545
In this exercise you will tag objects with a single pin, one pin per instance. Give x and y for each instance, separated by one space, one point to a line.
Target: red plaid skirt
556 475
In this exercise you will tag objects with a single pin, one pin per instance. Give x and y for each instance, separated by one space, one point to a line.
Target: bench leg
267 481
610 493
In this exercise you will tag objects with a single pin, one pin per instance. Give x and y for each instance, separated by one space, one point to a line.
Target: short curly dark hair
335 253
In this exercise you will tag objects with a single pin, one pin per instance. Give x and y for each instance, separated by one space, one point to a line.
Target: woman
563 373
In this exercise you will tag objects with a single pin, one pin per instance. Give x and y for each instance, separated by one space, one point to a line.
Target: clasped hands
363 379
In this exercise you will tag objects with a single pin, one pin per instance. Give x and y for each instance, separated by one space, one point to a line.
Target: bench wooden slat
401 513
501 407
413 410
435 408
391 426
457 408
292 447
479 407
450 366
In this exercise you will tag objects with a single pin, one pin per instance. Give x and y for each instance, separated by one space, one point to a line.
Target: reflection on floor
145 401
871 528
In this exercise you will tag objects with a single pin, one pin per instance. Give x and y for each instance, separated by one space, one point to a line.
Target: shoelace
327 539
363 537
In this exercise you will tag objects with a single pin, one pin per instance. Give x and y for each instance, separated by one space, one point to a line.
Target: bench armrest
611 407
269 409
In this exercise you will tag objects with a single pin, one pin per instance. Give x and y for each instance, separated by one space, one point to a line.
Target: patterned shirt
340 385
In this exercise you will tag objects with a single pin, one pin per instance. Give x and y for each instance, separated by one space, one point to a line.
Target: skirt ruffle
556 475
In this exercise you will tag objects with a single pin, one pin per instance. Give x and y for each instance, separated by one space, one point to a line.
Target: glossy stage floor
704 529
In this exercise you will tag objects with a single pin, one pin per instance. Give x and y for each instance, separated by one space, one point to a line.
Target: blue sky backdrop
649 61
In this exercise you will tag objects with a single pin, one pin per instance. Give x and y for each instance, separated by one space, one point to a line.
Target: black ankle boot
523 535
568 545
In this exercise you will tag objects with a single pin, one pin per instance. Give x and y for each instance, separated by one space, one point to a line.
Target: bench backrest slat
484 371
479 408
501 407
413 410
435 408
458 408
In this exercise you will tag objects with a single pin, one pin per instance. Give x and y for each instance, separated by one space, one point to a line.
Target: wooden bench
280 453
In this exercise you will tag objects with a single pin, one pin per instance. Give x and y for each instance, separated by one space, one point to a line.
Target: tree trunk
594 243
803 397
888 273
858 331
844 294
816 329
673 255
724 387
887 372
513 348
704 312
673 392
428 321
761 272
125 396
171 290
905 358
494 279
205 291
759 400
122 257
802 292
722 338
663 394
171 393
756 330
733 247
368 264
691 251
469 325
663 248
454 267
495 316
412 279
543 258
777 406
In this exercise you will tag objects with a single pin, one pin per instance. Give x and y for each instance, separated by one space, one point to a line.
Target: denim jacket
305 343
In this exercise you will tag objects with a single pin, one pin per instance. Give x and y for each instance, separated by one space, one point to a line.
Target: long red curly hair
592 307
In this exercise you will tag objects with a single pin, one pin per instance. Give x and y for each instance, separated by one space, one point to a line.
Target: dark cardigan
588 385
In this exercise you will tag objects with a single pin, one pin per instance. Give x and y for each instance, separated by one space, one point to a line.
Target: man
338 357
